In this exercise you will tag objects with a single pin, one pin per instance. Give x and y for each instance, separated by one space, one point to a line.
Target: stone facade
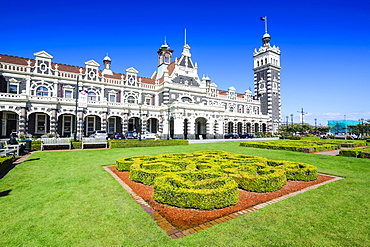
38 97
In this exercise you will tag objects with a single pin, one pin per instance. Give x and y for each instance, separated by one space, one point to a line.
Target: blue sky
325 48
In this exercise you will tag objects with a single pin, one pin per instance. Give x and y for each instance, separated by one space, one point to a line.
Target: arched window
131 100
258 63
91 96
265 60
167 58
42 91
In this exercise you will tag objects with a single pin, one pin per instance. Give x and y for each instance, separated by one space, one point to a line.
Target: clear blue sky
325 48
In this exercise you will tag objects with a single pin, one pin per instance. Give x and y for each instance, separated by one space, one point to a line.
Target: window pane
91 96
41 123
112 98
42 91
13 89
68 94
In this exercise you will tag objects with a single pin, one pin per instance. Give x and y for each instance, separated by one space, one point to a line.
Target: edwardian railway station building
38 97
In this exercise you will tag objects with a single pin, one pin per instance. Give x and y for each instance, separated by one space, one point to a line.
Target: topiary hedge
183 179
356 152
5 163
129 143
199 190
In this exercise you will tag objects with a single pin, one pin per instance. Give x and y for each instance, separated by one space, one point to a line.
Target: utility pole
302 115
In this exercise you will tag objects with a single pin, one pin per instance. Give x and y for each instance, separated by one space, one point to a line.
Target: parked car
231 136
99 134
245 135
147 135
131 135
118 136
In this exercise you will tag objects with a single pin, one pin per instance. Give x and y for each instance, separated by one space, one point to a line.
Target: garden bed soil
187 218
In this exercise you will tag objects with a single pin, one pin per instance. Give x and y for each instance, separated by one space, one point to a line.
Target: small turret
107 63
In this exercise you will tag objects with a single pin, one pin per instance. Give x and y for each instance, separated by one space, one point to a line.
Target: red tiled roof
220 92
15 60
147 80
238 95
171 68
64 67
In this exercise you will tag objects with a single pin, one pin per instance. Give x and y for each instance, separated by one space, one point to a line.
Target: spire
186 47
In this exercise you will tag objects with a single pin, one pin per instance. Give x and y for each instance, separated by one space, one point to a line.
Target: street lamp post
75 122
291 117
140 122
168 121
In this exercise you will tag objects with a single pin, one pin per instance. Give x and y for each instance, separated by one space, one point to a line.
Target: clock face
262 86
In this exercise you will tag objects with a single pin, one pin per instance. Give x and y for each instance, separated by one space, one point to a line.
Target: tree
323 129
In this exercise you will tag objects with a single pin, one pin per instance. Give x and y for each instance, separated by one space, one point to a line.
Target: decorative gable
92 70
43 62
43 54
92 63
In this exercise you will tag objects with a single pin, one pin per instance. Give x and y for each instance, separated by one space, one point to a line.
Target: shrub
355 152
145 143
5 163
205 191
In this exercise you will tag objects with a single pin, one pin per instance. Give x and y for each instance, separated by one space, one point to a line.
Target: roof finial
185 37
165 40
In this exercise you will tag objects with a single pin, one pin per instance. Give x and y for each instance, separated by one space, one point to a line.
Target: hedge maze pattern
210 179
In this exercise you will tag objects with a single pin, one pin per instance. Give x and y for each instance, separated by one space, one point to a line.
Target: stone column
22 121
53 122
104 122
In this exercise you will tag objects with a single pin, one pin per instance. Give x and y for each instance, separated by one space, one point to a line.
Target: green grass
67 199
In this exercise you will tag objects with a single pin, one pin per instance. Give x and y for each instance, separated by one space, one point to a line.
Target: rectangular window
147 101
90 124
112 98
111 125
67 125
68 94
13 89
41 123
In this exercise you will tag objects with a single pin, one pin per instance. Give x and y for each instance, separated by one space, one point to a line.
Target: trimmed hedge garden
356 152
304 146
210 179
145 143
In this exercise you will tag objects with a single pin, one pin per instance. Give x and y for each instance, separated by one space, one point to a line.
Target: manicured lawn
67 199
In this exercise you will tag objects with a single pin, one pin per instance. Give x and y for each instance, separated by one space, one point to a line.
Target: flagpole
266 24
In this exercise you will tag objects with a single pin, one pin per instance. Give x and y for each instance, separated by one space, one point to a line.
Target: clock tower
267 80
